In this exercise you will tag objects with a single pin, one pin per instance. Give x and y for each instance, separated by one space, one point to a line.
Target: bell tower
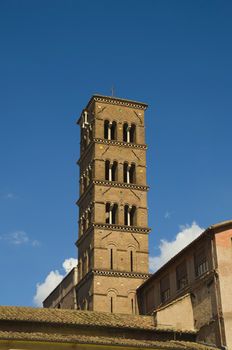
113 230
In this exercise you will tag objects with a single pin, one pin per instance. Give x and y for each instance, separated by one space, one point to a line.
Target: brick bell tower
113 234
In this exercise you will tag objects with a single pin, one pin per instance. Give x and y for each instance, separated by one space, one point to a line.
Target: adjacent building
196 283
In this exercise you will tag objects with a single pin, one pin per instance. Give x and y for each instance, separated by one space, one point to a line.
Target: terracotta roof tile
84 339
75 317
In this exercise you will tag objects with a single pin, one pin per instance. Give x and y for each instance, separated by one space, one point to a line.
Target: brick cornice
120 143
125 228
135 229
121 185
126 274
110 184
111 273
112 143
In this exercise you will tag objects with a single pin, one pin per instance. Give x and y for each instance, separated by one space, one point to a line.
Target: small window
129 133
129 173
131 261
110 129
165 288
129 215
126 136
132 306
111 259
181 275
132 133
111 305
111 170
132 174
201 262
111 213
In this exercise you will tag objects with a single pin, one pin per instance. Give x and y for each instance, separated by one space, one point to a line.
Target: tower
113 234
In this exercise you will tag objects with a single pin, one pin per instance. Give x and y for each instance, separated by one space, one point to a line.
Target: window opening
165 288
111 259
181 276
111 305
131 260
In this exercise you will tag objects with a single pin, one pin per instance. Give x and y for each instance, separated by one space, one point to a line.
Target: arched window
129 132
111 170
110 130
129 173
132 133
132 173
111 213
129 215
126 132
111 258
107 133
111 305
131 261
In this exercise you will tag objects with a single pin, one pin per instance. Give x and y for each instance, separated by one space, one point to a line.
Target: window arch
130 215
129 132
129 173
132 133
110 130
111 213
111 170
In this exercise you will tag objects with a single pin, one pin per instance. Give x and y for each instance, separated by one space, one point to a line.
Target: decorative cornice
125 274
126 228
111 143
118 101
112 273
110 184
120 143
120 184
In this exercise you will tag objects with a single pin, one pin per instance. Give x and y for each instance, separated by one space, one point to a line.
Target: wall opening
111 213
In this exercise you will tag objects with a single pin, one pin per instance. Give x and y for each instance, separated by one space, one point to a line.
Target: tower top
116 101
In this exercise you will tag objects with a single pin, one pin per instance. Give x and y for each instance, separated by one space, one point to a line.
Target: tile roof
101 340
75 317
27 324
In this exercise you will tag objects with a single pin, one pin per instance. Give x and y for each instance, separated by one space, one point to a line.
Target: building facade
113 230
198 278
64 295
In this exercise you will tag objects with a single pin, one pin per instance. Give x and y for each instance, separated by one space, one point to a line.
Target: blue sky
174 55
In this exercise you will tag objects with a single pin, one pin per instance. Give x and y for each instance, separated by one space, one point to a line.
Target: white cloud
18 238
51 281
170 248
68 264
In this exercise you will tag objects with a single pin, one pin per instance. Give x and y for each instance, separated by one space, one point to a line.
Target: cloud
51 281
18 238
68 264
170 248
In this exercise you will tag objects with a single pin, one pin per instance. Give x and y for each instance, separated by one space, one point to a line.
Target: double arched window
129 173
111 170
111 213
110 130
129 133
130 215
